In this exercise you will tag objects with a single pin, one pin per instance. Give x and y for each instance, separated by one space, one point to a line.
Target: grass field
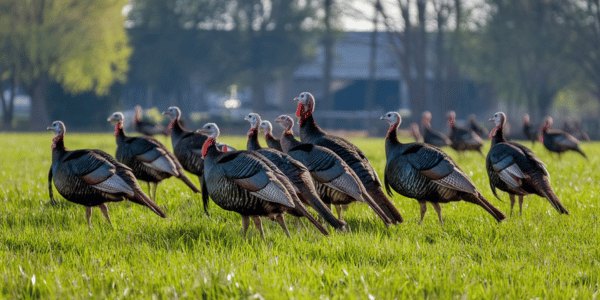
49 252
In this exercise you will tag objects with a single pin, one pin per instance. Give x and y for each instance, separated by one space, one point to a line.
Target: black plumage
149 159
294 170
146 127
515 169
431 136
476 127
463 139
92 177
336 182
310 132
529 131
272 142
247 183
425 173
558 141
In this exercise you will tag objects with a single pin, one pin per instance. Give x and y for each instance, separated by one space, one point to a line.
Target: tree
583 20
275 38
81 45
417 52
522 51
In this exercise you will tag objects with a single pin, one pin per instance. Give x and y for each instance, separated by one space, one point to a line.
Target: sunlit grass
49 251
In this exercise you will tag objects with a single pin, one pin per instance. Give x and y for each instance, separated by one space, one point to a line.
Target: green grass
49 252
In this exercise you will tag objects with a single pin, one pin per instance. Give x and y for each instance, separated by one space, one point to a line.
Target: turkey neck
391 138
252 143
119 133
58 147
209 149
498 135
176 130
288 141
309 128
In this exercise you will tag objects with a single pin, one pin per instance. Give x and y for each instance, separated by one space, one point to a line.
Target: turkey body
514 169
298 175
424 173
311 133
92 177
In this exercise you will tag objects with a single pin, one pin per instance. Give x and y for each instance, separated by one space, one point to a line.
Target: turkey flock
296 175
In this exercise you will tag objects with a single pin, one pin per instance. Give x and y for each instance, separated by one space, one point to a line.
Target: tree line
82 53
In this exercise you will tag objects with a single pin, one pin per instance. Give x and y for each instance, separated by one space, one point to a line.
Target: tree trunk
328 59
39 118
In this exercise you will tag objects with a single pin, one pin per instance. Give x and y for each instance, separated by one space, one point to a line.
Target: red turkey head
286 122
306 105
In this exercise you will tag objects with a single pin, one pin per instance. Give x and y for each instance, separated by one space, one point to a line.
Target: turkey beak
491 119
165 113
49 128
296 99
382 118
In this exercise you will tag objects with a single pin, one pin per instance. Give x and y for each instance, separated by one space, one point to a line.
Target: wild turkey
476 127
247 183
311 133
146 127
513 168
294 170
430 136
149 159
337 183
529 131
463 139
187 145
272 142
415 132
92 177
573 127
558 141
425 173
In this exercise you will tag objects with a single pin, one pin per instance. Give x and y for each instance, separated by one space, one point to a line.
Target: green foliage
80 44
49 252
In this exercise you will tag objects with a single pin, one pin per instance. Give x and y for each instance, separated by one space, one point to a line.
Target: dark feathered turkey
247 183
335 180
294 170
513 168
476 127
558 141
146 127
430 136
93 177
149 159
272 142
463 139
529 131
425 173
311 133
187 145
